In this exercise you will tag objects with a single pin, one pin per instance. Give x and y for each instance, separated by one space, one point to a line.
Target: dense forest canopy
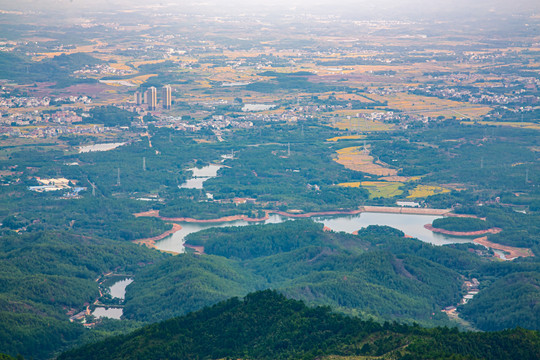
266 325
460 224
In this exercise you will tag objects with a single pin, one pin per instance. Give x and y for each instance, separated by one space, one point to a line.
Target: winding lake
200 175
410 224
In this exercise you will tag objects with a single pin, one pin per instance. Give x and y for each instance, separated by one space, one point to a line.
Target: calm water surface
410 224
200 175
99 147
118 289
112 313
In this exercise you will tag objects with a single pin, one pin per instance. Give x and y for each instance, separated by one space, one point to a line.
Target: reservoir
117 290
111 312
410 224
200 175
99 147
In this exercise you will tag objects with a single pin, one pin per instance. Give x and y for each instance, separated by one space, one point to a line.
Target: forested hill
266 325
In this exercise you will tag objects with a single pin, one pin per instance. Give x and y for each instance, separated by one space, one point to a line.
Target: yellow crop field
473 112
357 124
147 62
138 80
411 102
354 112
422 191
355 158
350 151
119 66
347 137
346 97
385 189
244 53
354 184
521 125
400 178
78 49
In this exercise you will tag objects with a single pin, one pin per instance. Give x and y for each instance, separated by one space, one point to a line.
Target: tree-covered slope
59 69
185 283
44 275
364 274
513 300
460 224
266 325
253 242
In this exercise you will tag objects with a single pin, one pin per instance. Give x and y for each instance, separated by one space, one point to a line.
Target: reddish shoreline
379 209
406 210
151 242
155 213
199 250
221 219
312 214
463 233
512 251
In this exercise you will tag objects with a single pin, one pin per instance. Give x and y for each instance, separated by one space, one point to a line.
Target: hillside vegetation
44 275
377 273
460 224
266 325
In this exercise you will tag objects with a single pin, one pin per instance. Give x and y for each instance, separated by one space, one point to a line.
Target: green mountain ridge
364 274
266 325
378 273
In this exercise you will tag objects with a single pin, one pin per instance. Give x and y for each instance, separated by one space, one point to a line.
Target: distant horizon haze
347 8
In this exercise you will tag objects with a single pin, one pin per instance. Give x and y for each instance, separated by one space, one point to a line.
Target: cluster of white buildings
47 131
33 102
103 69
62 117
479 98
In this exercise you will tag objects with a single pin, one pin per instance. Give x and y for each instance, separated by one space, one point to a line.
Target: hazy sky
411 5
406 7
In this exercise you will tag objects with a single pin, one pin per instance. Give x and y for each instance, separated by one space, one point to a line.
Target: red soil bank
512 251
151 242
463 233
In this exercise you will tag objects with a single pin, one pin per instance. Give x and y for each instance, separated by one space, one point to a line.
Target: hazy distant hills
359 9
58 69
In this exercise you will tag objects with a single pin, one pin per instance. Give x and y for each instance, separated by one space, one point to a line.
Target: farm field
362 125
411 103
519 125
346 137
384 189
355 158
422 191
